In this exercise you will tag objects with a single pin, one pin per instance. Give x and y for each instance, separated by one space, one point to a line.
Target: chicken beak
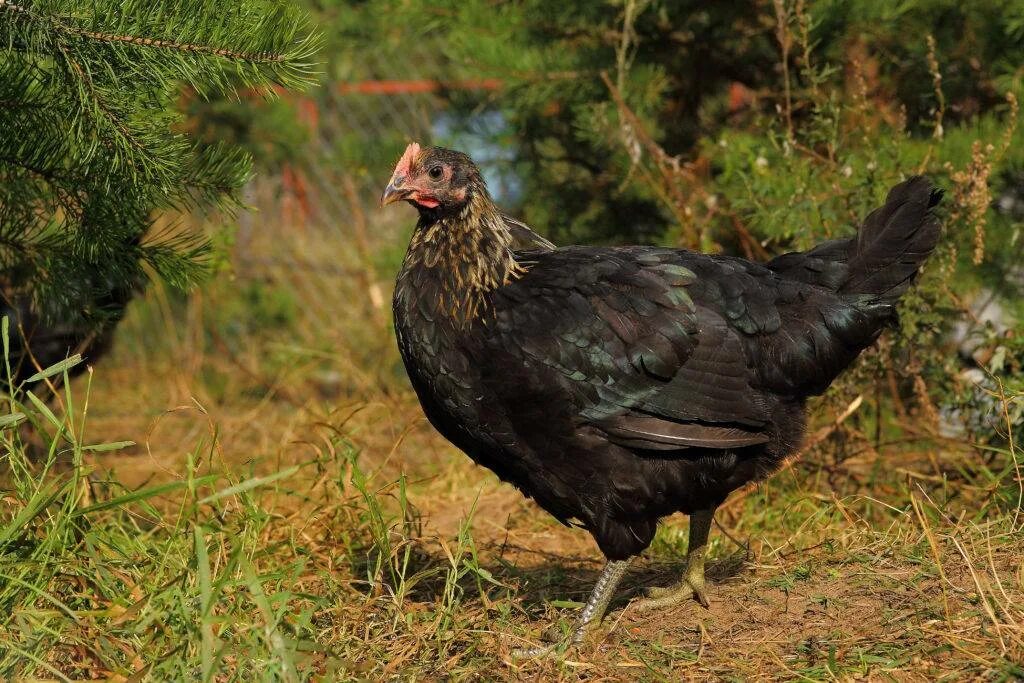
394 191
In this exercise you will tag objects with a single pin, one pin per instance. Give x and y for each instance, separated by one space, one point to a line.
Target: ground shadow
537 577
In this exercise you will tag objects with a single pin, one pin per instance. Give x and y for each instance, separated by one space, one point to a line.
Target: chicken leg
592 613
691 585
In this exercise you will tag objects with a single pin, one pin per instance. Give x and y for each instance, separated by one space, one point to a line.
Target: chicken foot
691 585
590 616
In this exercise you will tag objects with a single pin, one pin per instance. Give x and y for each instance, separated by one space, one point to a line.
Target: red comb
404 166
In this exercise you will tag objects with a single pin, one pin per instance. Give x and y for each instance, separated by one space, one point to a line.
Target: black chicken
37 342
618 385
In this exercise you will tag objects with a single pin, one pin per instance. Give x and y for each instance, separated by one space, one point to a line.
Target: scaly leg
592 613
692 583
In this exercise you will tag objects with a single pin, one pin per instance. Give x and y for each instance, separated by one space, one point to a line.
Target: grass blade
250 484
142 494
103 447
205 602
57 368
34 507
11 420
44 409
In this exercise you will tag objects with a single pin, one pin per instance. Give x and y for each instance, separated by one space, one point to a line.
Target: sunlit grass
374 551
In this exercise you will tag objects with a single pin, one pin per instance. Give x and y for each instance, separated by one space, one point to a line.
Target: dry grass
338 537
287 513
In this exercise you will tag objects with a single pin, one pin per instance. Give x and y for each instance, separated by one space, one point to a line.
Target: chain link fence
315 229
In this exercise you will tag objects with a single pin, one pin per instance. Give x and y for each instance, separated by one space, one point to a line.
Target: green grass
357 557
171 581
208 576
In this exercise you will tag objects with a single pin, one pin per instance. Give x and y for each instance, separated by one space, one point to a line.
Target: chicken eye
435 173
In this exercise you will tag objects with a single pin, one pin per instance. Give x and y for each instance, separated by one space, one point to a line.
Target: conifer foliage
92 145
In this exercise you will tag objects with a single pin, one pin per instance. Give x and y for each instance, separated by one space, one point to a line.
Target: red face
426 179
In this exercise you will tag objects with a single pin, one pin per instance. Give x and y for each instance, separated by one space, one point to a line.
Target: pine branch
261 43
93 141
156 43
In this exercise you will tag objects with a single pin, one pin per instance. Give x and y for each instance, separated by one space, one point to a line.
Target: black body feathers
37 342
619 385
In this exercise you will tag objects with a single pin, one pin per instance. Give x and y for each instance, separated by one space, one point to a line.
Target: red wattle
425 200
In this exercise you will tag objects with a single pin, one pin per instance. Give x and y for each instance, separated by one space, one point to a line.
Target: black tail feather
894 241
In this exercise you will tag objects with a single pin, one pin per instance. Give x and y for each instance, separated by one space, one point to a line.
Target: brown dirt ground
884 611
